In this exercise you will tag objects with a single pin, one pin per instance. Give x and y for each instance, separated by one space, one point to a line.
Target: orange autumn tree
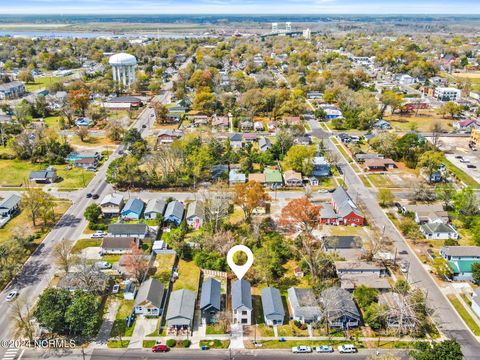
250 196
79 100
299 218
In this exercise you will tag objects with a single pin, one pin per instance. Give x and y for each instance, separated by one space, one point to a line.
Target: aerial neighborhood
346 161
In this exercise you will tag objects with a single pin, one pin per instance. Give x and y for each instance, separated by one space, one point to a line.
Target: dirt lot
422 122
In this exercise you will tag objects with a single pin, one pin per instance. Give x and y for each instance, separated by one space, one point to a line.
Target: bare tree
24 321
90 278
63 256
216 203
83 133
331 303
436 131
136 263
221 241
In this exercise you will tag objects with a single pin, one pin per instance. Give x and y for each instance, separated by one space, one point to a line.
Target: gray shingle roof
117 242
127 229
211 293
152 291
241 294
341 303
272 302
11 202
176 209
327 212
181 308
461 251
437 228
115 199
304 303
195 209
155 206
342 242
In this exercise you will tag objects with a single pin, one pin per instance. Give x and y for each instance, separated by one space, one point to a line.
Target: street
444 315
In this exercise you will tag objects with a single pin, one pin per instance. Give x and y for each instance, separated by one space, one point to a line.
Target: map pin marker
240 270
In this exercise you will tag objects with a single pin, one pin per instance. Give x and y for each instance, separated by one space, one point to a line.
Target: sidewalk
106 327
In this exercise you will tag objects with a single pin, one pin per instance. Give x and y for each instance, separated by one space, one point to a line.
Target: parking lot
460 155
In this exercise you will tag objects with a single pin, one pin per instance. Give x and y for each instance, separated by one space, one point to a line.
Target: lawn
464 314
275 344
164 264
344 153
53 122
125 310
85 243
365 181
43 81
215 329
422 122
379 180
74 178
188 276
117 344
215 344
16 172
148 343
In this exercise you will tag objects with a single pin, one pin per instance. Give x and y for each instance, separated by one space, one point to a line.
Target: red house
342 211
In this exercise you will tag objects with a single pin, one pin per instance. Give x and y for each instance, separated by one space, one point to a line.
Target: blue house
174 212
83 122
133 209
320 167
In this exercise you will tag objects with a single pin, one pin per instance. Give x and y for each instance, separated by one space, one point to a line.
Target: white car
463 160
301 349
347 349
98 234
404 267
11 295
103 265
115 289
324 349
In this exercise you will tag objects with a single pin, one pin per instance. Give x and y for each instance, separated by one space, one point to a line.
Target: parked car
115 289
347 348
103 265
403 252
404 267
324 349
459 157
323 191
89 195
95 196
464 161
471 166
144 126
301 349
11 295
160 348
98 234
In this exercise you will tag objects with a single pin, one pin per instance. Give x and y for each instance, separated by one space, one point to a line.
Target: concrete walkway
236 341
143 327
106 327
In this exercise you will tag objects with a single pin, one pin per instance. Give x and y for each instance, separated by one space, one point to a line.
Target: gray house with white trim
210 298
242 302
149 298
181 309
273 311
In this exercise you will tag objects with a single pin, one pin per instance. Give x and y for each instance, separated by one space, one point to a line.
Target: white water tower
123 68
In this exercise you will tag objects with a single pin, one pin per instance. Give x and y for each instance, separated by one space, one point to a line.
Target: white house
438 231
242 302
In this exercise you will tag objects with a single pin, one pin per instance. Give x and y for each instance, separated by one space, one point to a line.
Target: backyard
188 276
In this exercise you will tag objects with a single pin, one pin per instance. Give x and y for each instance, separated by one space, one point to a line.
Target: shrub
186 343
171 343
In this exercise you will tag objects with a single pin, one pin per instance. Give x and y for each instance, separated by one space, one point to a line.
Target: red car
160 348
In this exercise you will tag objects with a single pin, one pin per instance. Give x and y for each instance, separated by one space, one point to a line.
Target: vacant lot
423 121
188 276
16 172
474 78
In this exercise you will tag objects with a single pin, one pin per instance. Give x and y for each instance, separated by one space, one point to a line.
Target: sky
309 7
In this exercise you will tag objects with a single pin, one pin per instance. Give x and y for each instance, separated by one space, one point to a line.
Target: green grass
117 344
43 82
464 314
365 181
75 178
189 275
379 180
148 343
85 243
53 122
215 344
460 174
111 258
124 310
16 172
344 153
275 344
213 329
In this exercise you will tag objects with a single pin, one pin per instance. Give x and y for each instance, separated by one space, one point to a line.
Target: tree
51 308
62 253
402 287
300 158
92 213
23 111
385 197
82 132
82 316
466 202
374 315
441 267
364 296
79 100
216 202
37 203
450 108
161 112
26 76
430 161
392 99
114 130
136 263
476 272
22 315
445 193
445 350
249 197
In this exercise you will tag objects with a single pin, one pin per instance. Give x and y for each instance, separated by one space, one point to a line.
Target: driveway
91 253
236 341
143 327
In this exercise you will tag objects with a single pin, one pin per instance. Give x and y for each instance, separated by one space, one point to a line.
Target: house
405 79
430 213
331 112
221 122
273 178
11 90
400 314
436 177
111 204
199 120
128 230
303 140
363 157
246 125
346 209
264 144
273 311
10 206
328 215
321 168
149 298
465 125
210 298
92 280
168 136
292 178
460 252
181 309
123 103
313 95
133 209
303 305
258 126
462 269
46 176
381 125
235 177
87 164
118 245
154 209
379 164
347 247
73 156
241 302
342 313
350 281
359 267
174 212
438 231
83 122
236 141
271 126
195 214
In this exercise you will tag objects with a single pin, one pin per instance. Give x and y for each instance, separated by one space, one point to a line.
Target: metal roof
241 294
272 302
155 206
134 205
211 293
152 291
181 308
10 202
128 229
176 209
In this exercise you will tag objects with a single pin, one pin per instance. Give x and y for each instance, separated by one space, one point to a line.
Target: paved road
133 354
445 316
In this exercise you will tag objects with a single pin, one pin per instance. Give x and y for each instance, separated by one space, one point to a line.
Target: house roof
150 290
195 209
211 293
11 202
175 208
115 199
342 242
10 85
241 294
155 206
124 99
236 176
218 170
292 175
327 212
340 196
433 228
378 162
342 303
236 137
124 242
257 177
43 174
357 265
347 209
462 266
465 251
134 205
250 136
304 303
466 122
127 229
351 281
181 308
264 142
272 302
273 176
